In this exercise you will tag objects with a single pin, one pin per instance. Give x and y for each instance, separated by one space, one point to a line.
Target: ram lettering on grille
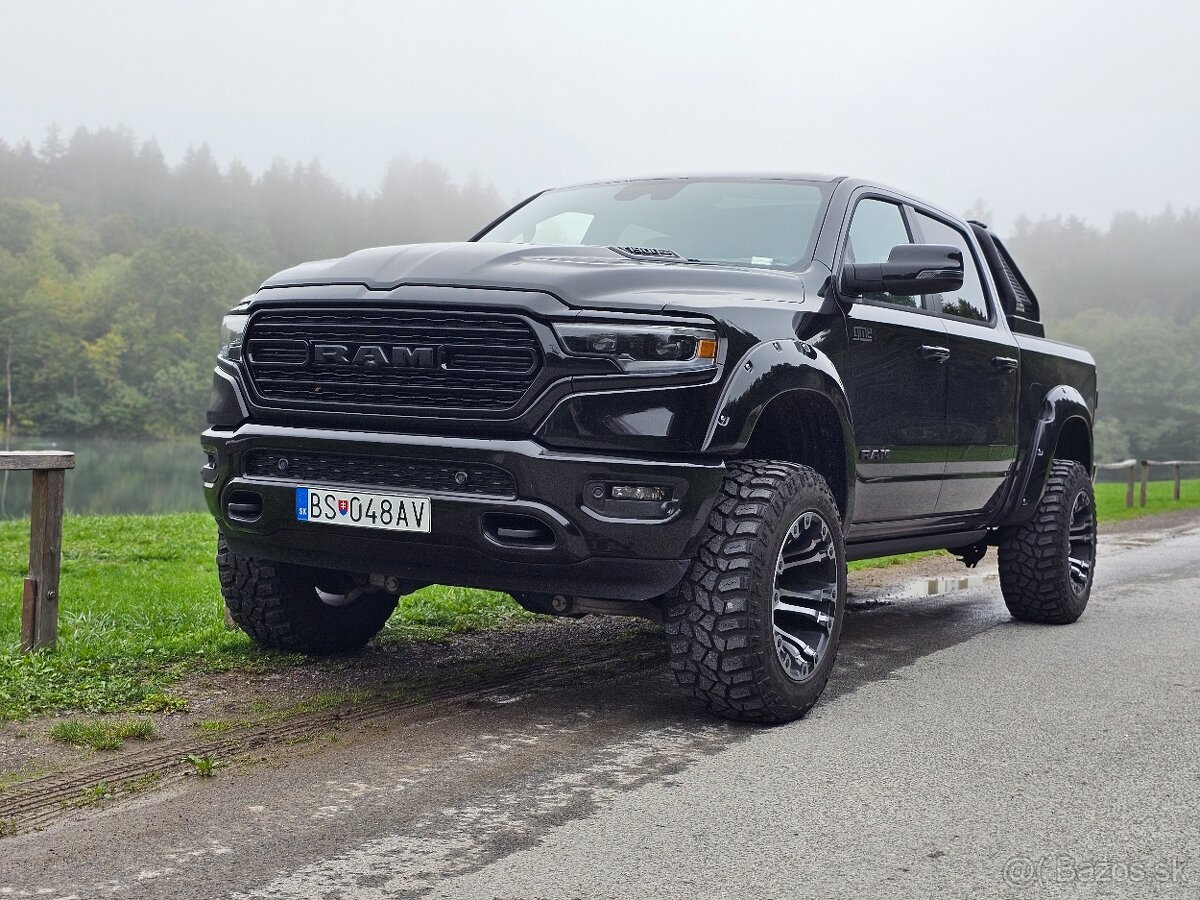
391 359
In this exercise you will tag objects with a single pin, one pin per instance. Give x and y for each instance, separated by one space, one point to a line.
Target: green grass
90 796
141 782
101 734
1110 499
140 606
29 770
886 562
205 765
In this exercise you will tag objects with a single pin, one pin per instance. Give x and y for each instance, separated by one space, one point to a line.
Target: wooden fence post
39 596
29 615
1130 467
45 550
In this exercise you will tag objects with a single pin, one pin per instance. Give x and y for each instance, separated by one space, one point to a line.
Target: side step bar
945 540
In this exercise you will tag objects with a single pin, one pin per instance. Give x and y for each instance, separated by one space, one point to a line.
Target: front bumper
591 554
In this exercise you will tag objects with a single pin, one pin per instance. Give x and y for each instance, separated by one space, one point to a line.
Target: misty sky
1036 107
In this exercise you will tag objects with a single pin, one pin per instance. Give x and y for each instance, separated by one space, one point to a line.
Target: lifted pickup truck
692 399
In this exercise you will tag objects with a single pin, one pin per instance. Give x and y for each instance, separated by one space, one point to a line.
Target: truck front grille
391 359
307 467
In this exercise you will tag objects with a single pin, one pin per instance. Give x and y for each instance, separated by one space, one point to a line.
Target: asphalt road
956 753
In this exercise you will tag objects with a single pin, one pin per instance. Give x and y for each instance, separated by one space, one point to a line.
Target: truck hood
582 277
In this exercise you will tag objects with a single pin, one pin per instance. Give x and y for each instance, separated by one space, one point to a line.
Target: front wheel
299 609
1047 563
753 629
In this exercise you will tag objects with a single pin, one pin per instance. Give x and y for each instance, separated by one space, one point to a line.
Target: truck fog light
638 492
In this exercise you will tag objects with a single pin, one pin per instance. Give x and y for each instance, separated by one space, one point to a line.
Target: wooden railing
39 605
1146 465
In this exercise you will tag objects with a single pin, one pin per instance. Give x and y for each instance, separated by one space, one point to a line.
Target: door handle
1004 362
940 354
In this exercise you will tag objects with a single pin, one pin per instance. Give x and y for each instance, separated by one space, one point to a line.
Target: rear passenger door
898 384
982 378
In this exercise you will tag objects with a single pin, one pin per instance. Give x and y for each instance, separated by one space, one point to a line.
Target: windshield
748 223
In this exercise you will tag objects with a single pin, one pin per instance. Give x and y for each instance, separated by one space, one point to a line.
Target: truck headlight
642 348
232 329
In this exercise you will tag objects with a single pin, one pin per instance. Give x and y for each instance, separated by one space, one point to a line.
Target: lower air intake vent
306 467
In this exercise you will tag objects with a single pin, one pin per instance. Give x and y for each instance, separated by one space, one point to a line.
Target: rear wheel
297 608
753 629
1047 563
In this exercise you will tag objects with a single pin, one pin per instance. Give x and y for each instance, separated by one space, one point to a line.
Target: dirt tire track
38 802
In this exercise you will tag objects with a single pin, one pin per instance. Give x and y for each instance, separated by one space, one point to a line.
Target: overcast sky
1036 107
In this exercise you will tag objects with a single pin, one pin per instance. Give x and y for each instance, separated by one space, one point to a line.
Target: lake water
117 477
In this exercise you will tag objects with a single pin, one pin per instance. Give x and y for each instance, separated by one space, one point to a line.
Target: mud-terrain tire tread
275 605
715 633
1034 569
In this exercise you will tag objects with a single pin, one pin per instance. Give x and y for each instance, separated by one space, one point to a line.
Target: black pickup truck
692 399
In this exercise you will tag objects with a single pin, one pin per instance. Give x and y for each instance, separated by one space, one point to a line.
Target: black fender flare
1061 405
766 372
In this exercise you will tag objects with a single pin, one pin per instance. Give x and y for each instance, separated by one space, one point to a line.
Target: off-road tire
277 605
1035 565
718 621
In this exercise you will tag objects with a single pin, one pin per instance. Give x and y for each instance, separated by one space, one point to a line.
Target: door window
969 302
877 227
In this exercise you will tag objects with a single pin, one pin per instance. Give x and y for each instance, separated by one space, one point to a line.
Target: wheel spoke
785 563
818 595
788 652
804 651
821 618
792 547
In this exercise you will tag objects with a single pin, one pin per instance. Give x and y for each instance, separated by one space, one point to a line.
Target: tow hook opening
517 531
244 506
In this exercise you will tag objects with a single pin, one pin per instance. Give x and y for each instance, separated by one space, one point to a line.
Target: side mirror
911 269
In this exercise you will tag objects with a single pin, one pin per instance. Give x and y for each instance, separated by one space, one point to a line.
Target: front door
897 388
